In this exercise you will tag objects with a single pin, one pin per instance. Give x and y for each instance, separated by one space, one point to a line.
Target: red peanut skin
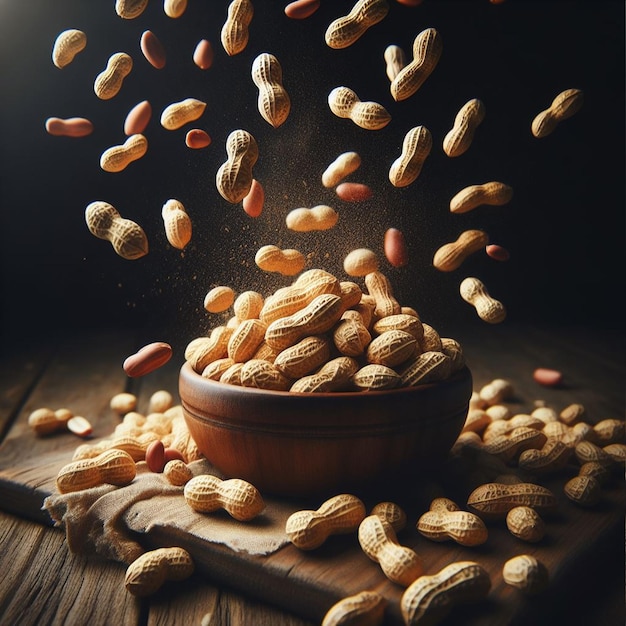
254 201
69 127
138 118
153 50
197 139
203 54
301 9
548 377
353 192
395 248
497 252
148 359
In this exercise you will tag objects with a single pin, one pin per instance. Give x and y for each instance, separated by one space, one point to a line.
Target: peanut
360 262
287 262
147 359
117 158
379 542
572 413
248 305
497 499
450 256
351 337
196 139
526 524
366 608
459 138
416 147
235 31
376 377
429 599
445 520
70 127
344 165
45 421
508 446
552 457
160 401
254 200
177 472
155 456
174 8
113 467
395 60
493 193
301 9
391 348
379 287
130 9
318 317
67 45
488 308
234 176
392 513
219 298
153 50
400 321
496 391
586 451
427 48
177 114
345 103
127 238
262 374
566 104
245 340
353 192
309 529
333 376
430 366
203 350
583 490
273 101
138 118
122 403
303 220
452 349
109 82
80 426
525 572
203 54
147 574
240 499
394 245
345 30
497 252
216 369
177 224
304 357
431 340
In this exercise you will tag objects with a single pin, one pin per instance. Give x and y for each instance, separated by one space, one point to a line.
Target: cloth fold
110 521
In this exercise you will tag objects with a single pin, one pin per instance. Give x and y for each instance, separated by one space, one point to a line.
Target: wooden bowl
297 445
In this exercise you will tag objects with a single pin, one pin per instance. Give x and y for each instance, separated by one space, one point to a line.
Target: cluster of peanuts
320 334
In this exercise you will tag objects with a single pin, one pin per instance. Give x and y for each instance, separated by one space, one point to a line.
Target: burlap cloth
109 520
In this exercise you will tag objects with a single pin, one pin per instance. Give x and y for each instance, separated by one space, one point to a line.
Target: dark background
564 227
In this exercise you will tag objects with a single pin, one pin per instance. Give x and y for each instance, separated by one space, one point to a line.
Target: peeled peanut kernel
345 30
177 114
234 176
218 299
489 309
301 9
147 574
203 54
497 499
113 467
492 193
254 200
130 9
458 140
395 247
127 238
429 599
80 426
273 101
177 472
177 223
344 103
444 520
117 158
566 104
353 192
70 127
153 50
395 60
547 377
67 45
450 256
138 118
174 8
427 49
309 529
147 359
155 456
526 573
241 500
344 165
366 608
379 542
109 82
526 524
497 252
235 32
360 262
303 220
288 262
416 147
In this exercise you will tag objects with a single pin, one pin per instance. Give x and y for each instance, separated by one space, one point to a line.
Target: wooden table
43 583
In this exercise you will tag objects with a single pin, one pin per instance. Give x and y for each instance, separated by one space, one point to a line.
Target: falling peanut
493 193
130 9
177 114
416 147
273 102
288 262
174 8
459 138
344 31
450 256
234 177
235 32
344 165
70 127
118 158
344 103
475 293
395 60
67 45
109 82
566 104
177 223
303 220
